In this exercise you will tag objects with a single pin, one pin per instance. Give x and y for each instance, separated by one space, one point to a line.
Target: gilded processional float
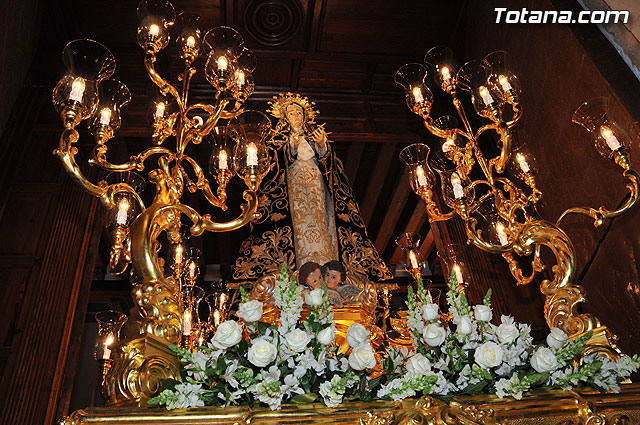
308 340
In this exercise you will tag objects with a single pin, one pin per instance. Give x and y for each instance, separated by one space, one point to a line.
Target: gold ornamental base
539 407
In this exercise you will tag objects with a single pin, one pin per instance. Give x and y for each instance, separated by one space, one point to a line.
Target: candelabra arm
516 272
433 129
136 162
601 214
463 116
163 85
203 184
238 108
432 209
248 213
500 162
517 114
214 116
66 153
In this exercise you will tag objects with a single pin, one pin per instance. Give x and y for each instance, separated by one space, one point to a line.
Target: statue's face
333 278
314 279
295 116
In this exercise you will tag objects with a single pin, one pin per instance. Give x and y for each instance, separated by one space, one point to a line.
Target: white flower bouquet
461 352
257 362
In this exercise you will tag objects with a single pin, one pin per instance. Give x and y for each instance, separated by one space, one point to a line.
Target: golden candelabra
499 216
85 92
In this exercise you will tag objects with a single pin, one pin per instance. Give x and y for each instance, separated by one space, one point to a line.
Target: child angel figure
311 276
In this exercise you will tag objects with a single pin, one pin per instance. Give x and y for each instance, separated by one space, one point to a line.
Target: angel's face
295 116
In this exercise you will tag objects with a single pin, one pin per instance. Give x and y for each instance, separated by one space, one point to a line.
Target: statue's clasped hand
319 136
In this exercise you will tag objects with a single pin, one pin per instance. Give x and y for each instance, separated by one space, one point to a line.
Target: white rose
482 313
326 336
418 364
357 335
227 335
430 312
544 360
297 340
507 333
250 311
362 357
465 327
489 355
262 352
434 335
557 338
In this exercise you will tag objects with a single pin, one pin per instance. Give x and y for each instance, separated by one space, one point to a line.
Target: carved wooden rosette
138 367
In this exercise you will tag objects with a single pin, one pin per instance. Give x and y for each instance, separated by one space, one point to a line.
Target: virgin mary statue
307 208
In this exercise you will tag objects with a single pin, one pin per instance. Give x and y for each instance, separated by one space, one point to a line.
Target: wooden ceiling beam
414 224
392 213
428 245
380 170
354 154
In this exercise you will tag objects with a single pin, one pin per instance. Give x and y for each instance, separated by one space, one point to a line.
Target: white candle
105 116
186 323
422 179
612 141
252 155
191 42
240 78
522 162
77 89
222 63
222 161
458 192
446 75
458 272
107 351
413 260
154 30
484 93
417 95
123 208
192 269
178 257
160 110
504 83
502 236
448 145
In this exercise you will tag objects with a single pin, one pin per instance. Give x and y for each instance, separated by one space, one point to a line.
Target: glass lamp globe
87 62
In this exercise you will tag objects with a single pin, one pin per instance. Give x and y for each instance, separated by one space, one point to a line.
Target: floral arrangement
257 362
459 352
466 354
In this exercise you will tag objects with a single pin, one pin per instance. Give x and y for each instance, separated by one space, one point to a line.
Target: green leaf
387 366
221 365
169 384
475 388
304 398
537 378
